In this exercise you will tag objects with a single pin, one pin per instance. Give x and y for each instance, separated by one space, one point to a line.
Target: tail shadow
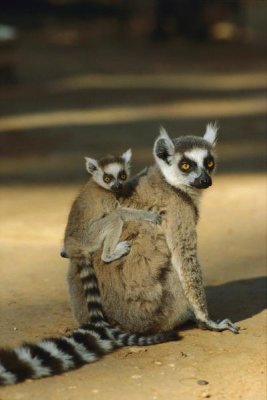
237 300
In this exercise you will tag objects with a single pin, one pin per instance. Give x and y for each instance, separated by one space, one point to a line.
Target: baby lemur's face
111 172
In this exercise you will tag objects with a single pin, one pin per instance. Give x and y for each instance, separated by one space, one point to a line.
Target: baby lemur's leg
104 232
132 214
112 248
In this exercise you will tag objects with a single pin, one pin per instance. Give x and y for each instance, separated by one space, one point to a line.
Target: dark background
90 77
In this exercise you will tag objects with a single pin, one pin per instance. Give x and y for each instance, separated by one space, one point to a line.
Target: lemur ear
127 155
211 133
91 165
164 147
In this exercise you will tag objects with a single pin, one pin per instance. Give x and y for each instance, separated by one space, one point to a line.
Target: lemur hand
155 218
226 324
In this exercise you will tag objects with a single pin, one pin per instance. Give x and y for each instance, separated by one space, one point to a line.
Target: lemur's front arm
182 242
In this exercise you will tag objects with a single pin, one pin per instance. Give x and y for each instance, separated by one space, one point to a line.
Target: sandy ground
34 300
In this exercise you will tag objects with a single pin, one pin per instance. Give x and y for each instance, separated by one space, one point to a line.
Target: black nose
205 181
116 187
202 182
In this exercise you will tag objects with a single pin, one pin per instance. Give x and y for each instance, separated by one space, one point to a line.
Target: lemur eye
107 179
185 166
123 176
210 164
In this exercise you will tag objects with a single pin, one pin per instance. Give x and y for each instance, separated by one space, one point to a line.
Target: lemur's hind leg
112 248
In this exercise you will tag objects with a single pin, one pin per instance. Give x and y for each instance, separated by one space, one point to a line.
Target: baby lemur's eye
107 178
122 176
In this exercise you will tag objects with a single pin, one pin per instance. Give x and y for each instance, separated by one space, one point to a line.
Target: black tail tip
172 336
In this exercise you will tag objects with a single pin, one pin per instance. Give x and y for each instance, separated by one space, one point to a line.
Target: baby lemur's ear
127 155
164 147
91 165
211 133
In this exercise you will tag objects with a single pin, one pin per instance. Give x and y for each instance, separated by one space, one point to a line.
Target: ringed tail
53 356
84 345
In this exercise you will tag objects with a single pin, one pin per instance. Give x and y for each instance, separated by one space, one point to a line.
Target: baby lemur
99 214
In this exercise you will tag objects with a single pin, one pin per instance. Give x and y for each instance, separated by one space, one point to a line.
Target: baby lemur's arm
182 242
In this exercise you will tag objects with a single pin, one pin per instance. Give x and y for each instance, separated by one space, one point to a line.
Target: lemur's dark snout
202 182
206 181
116 187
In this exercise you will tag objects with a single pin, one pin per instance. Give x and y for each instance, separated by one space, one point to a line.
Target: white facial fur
170 171
113 169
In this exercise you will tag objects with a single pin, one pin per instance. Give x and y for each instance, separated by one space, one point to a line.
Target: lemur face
189 160
112 176
112 172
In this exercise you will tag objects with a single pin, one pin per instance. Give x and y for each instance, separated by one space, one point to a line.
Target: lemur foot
155 218
225 324
122 249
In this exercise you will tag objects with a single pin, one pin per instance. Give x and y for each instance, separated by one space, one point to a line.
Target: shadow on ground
237 300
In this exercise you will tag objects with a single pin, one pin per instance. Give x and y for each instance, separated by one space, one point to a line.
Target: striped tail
96 316
84 345
53 356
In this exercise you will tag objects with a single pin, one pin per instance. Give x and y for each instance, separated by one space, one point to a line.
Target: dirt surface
34 301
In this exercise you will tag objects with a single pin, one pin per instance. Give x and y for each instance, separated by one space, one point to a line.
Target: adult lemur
156 287
159 284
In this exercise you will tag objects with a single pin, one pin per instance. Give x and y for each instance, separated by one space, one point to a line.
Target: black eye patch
209 163
122 175
107 178
186 165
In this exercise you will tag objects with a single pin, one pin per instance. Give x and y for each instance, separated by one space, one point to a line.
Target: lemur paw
228 325
123 247
223 325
